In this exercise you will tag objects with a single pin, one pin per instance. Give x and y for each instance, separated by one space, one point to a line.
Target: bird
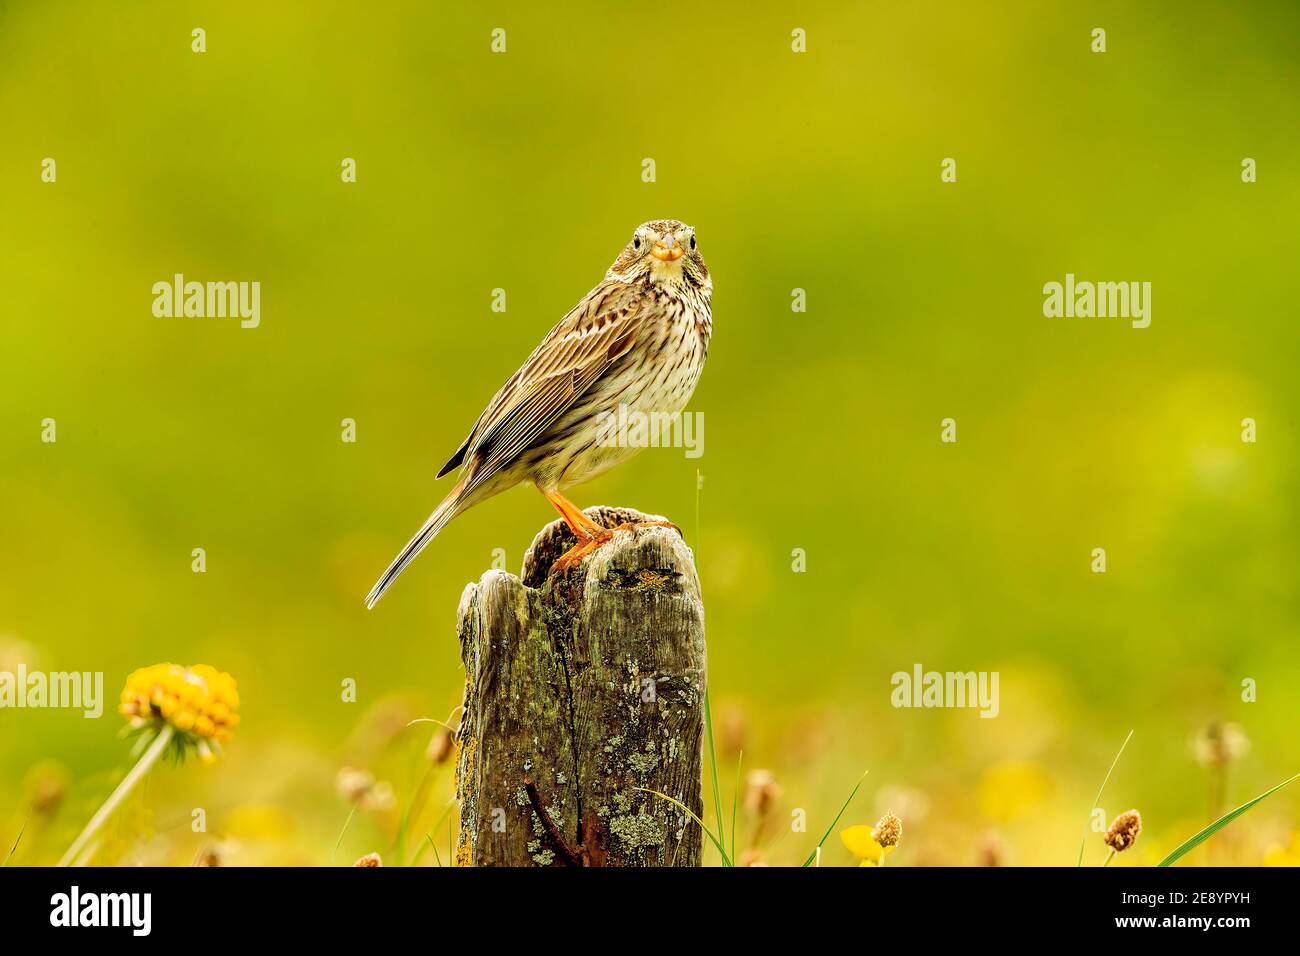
636 342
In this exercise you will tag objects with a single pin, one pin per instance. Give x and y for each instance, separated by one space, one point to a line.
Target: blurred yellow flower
1280 854
1012 788
198 702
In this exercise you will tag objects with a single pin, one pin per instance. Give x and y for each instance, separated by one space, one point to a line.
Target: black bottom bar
443 905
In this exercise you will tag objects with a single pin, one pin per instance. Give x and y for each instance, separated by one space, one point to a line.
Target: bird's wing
574 354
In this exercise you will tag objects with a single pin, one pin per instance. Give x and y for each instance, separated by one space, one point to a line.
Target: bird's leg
589 534
581 526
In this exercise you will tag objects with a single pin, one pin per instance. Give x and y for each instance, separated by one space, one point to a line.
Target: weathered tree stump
582 692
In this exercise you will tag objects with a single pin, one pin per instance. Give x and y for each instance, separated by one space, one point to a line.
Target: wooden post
582 692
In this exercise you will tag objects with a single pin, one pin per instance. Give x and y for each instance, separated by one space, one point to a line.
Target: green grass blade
422 849
414 808
14 849
713 770
813 855
1219 824
735 798
726 860
419 854
346 823
1097 799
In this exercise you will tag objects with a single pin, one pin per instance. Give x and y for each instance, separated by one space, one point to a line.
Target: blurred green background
522 171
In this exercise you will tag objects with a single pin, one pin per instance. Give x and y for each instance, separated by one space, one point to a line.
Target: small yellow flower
199 703
863 843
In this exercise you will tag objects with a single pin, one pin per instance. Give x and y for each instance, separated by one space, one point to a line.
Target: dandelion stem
134 776
1109 856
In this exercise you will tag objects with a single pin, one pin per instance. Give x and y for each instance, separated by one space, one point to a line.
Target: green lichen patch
637 831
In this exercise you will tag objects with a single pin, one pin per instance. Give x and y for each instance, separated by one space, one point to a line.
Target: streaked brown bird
636 342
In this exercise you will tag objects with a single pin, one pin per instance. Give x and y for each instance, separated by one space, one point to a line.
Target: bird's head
662 251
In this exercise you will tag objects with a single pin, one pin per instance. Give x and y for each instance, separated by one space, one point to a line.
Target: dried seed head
370 859
209 855
47 785
439 747
992 851
353 785
733 730
361 787
889 830
1124 830
761 791
1218 744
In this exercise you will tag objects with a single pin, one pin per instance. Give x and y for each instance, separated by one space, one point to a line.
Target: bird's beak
667 249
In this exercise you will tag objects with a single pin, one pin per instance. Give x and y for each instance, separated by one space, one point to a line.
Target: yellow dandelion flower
176 708
198 703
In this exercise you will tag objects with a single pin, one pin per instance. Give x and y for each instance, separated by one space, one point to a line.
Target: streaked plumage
638 339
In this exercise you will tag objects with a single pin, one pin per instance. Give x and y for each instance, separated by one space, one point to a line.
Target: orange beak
665 252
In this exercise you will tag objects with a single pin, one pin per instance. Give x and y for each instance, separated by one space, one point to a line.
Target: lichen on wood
583 692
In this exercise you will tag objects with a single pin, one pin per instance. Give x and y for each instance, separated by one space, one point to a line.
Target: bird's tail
448 509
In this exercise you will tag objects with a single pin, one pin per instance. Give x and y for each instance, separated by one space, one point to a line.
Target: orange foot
575 555
598 538
589 534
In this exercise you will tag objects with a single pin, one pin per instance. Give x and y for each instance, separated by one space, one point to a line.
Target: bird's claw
585 546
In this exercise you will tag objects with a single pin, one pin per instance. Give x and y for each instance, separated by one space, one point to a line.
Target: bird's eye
692 242
636 241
